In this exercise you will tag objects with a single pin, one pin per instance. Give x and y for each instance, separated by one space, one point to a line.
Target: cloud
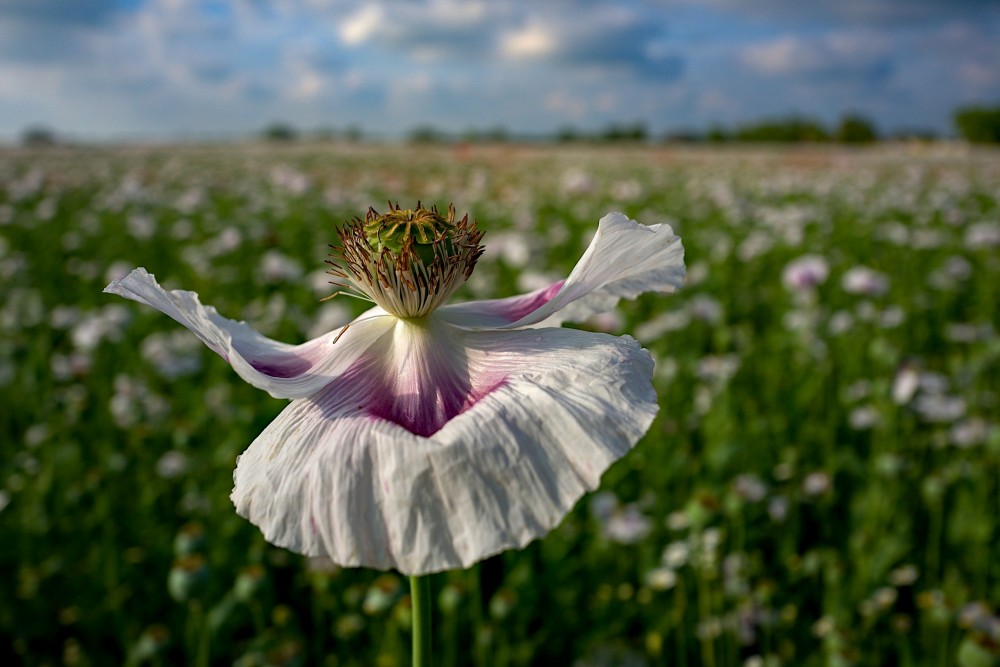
426 30
39 31
606 38
162 66
58 12
862 58
856 13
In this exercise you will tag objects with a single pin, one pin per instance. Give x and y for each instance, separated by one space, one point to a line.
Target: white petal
625 259
284 371
327 478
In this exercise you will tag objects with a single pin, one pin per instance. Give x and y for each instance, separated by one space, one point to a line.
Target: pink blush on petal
515 309
419 379
427 419
280 367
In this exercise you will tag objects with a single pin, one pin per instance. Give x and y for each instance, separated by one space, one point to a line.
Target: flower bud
249 582
188 578
190 539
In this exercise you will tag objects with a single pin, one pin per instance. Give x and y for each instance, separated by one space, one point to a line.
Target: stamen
407 261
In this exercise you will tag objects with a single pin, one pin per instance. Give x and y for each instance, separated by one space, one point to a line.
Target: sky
162 69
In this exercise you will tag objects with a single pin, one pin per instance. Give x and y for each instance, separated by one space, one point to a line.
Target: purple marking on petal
281 367
516 309
428 418
419 387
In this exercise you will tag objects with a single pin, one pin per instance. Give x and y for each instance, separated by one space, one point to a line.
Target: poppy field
821 485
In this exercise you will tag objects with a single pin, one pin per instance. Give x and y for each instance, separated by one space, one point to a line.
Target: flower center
409 262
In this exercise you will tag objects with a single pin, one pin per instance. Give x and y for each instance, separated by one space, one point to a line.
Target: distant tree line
979 125
975 124
852 129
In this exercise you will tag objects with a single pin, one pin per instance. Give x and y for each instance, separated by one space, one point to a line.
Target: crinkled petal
329 477
284 371
624 260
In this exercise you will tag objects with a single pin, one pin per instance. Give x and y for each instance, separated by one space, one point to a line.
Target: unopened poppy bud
190 539
188 578
151 643
249 582
382 595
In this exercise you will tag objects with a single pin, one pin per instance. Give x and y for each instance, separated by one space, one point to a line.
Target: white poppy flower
805 273
425 437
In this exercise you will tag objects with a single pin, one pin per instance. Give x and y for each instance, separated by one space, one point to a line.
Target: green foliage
39 136
855 129
785 130
979 125
278 131
786 508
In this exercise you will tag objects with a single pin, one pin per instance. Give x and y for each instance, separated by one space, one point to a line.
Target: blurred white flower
663 323
661 578
891 317
105 323
603 504
816 483
320 283
958 267
905 384
64 317
927 239
750 487
626 525
678 520
676 555
885 597
718 368
181 230
840 323
173 354
117 270
228 240
863 280
577 182
969 432
983 235
777 508
172 464
961 332
289 179
754 245
512 248
857 390
141 227
133 403
705 309
863 418
805 273
626 191
277 267
904 575
939 407
332 315
711 539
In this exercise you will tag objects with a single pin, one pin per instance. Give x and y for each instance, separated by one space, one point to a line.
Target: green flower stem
420 602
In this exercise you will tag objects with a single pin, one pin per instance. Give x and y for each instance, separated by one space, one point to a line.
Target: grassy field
821 487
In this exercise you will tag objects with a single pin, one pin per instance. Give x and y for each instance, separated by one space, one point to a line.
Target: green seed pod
249 582
190 539
188 578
